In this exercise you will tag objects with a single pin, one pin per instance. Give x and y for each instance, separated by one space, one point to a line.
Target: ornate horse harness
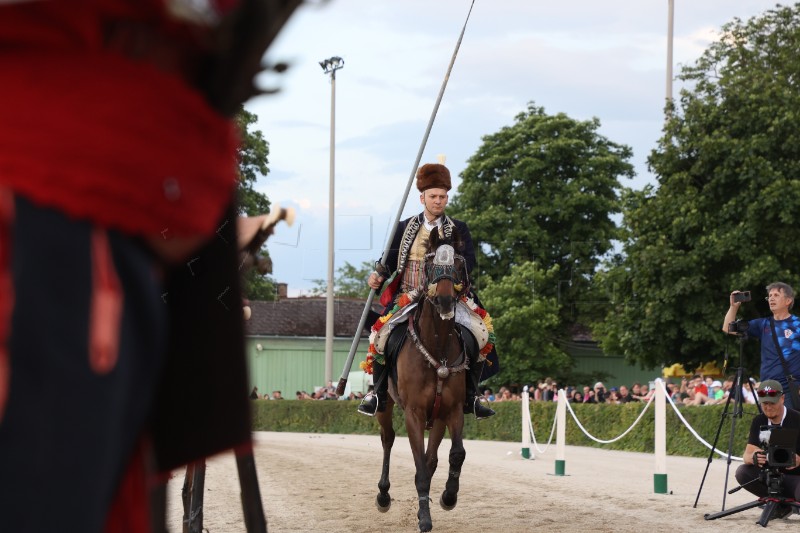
441 265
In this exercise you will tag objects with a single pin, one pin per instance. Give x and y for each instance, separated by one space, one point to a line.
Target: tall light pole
330 66
670 31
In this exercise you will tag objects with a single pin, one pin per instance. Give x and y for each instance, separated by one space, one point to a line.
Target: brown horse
430 382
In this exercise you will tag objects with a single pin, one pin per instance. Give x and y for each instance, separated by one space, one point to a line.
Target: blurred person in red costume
119 290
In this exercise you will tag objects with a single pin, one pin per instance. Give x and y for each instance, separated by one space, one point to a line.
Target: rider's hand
375 281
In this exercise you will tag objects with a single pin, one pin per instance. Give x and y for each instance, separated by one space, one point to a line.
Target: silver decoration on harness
441 265
445 255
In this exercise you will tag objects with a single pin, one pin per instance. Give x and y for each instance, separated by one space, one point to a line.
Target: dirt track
327 483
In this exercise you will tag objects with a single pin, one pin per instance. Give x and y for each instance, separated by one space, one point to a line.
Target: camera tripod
736 395
773 479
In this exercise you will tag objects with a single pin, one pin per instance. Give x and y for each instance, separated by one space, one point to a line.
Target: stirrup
488 411
364 406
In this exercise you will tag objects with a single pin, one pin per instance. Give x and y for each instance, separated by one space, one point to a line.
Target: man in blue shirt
787 328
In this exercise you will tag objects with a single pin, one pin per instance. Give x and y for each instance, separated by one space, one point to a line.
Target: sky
583 58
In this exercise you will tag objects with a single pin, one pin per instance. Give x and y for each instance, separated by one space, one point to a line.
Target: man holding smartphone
782 328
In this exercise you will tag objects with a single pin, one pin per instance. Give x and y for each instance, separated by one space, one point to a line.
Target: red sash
387 296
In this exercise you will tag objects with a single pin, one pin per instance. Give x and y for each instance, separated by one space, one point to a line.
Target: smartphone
743 296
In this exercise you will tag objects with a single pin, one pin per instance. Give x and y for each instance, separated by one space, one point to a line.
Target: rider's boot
472 402
375 401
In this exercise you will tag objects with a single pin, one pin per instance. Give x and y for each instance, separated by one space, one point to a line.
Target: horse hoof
383 503
424 516
447 506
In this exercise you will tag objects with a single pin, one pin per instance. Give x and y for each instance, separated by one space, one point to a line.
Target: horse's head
445 275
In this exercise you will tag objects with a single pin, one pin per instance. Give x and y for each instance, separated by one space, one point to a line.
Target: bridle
445 263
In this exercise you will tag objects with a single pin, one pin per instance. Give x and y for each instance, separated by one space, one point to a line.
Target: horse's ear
458 241
433 242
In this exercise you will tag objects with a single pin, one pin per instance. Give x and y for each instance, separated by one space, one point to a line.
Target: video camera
779 445
738 327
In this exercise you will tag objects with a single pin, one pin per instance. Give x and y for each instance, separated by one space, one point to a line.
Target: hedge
603 421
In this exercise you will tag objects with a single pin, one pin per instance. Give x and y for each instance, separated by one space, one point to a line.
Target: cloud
581 57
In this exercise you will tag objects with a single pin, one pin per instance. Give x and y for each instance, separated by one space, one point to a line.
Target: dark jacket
397 242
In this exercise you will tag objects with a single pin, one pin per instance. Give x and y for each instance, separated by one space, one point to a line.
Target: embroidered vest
410 234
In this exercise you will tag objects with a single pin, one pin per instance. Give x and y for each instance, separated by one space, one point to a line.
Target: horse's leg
434 440
457 455
415 426
383 501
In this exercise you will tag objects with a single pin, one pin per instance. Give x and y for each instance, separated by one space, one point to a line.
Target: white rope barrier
615 439
549 440
691 429
559 423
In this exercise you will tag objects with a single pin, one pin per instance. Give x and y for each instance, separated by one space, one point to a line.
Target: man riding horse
404 262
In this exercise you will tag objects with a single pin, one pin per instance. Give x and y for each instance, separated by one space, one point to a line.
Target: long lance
357 337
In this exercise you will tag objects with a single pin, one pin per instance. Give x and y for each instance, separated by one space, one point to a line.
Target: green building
286 348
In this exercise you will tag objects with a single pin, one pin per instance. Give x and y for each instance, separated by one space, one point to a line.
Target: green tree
727 199
526 325
540 192
349 282
252 160
543 190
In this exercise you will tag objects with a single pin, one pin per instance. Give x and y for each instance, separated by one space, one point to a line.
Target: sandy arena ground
328 483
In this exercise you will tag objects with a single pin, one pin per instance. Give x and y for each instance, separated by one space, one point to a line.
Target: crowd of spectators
320 393
695 390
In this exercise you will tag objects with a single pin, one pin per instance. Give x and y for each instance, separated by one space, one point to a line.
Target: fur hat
433 175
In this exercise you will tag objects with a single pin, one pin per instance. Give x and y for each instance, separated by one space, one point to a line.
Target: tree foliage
538 197
543 190
252 160
727 199
350 282
526 323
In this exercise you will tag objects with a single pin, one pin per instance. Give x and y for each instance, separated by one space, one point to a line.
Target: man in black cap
776 415
404 261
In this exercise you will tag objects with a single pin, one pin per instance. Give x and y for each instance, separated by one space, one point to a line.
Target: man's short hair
787 290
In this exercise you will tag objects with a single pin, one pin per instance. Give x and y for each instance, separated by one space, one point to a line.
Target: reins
443 371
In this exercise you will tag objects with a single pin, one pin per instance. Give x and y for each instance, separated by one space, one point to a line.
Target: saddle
389 339
465 317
